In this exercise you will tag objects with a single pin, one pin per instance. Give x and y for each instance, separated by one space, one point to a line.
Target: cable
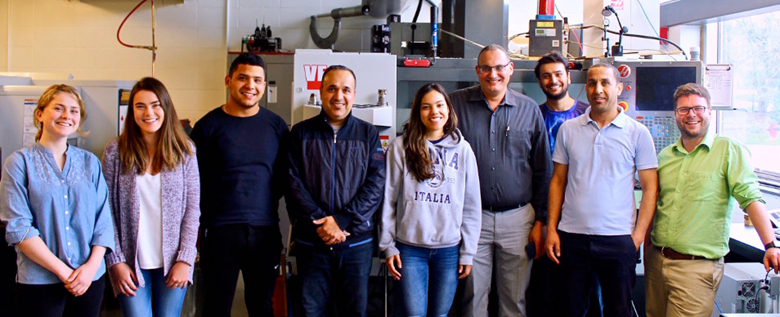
637 36
417 13
517 35
579 43
152 48
650 22
720 311
462 38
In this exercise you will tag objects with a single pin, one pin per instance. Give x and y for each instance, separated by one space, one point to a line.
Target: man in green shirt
698 177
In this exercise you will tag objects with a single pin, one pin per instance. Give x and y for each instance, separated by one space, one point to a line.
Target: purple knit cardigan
180 218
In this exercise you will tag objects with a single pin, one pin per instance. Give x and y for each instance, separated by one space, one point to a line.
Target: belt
502 208
670 253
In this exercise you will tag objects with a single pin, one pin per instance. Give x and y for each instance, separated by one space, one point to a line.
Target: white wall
79 38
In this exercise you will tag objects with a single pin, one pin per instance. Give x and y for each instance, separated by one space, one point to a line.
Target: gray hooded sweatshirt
439 212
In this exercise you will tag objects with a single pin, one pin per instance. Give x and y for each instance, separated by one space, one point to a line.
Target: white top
150 222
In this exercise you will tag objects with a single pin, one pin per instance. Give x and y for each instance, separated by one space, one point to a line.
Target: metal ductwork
374 8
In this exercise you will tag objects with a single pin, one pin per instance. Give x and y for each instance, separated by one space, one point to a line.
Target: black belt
502 208
670 253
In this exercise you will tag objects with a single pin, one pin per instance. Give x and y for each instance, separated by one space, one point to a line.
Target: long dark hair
172 145
417 157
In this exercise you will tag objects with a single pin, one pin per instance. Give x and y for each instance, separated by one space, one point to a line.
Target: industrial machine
744 290
102 102
376 86
648 90
261 41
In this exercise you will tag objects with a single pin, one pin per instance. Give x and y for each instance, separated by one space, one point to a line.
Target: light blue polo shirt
599 197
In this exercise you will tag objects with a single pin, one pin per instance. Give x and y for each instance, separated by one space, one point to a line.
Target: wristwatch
772 244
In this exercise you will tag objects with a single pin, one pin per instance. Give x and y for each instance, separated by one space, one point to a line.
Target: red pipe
546 7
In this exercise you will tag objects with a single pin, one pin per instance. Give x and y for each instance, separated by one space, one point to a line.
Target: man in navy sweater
241 162
337 178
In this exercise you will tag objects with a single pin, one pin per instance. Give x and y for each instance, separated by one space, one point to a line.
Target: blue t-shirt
554 119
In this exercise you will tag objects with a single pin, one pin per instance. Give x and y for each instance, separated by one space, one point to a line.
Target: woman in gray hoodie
431 215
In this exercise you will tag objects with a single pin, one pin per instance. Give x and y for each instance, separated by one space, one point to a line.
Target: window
752 46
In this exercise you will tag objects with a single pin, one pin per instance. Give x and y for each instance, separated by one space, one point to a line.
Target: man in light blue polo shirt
599 232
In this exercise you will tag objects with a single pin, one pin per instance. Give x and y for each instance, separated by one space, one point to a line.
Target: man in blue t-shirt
552 73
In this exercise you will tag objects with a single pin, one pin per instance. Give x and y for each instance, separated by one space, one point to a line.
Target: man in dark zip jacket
337 177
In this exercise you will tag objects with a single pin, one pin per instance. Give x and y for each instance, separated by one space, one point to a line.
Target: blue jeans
429 278
345 270
154 299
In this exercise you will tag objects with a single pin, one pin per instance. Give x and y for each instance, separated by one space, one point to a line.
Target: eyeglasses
684 111
498 68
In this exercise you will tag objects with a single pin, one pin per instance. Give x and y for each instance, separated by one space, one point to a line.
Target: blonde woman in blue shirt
55 204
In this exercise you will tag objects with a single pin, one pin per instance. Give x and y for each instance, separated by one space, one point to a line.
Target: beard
558 96
702 132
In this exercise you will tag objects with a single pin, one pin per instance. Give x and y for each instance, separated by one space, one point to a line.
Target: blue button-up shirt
68 209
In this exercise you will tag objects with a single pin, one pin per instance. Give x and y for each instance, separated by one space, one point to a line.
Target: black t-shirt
241 167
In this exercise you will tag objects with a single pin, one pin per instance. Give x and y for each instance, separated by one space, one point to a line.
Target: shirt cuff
17 237
114 258
343 221
466 259
391 251
187 255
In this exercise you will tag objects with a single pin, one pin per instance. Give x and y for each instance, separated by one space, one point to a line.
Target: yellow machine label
545 24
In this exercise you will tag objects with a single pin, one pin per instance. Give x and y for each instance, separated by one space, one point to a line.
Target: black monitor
655 86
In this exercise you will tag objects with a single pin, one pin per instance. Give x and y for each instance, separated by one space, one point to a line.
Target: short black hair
338 67
247 59
550 58
610 67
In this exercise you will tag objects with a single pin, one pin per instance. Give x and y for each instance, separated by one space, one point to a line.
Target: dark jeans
7 277
585 258
542 295
54 300
343 270
226 250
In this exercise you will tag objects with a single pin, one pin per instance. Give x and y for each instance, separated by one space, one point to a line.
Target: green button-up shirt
697 195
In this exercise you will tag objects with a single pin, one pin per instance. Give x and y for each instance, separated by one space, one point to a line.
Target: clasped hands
329 231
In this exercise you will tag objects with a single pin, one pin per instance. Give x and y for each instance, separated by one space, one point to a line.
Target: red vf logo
313 74
624 71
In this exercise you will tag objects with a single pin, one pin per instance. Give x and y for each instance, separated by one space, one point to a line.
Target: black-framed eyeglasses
684 111
498 68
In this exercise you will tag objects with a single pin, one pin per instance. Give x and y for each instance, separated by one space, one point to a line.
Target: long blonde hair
172 145
46 99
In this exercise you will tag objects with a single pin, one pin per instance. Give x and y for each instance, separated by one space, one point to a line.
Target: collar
510 99
324 118
709 138
620 121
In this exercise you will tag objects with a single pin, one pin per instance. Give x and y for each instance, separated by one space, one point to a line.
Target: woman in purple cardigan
154 190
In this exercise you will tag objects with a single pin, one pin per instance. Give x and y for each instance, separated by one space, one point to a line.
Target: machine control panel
648 94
